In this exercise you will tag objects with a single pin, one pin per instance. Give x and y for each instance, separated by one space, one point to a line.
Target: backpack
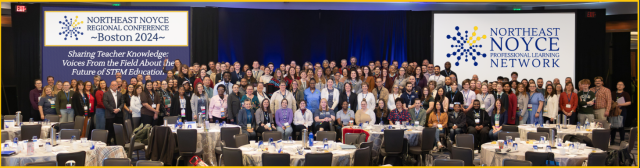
619 158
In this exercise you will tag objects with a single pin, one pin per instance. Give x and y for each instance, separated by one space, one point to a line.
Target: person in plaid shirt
602 100
399 114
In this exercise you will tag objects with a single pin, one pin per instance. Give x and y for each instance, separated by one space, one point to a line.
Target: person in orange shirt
569 103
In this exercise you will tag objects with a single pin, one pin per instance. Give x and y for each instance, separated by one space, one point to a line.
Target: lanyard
266 116
438 117
467 96
66 94
152 98
570 95
530 97
378 93
484 96
453 95
448 73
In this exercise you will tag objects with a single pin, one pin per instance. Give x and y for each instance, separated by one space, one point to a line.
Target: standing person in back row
113 105
602 100
63 103
624 100
586 102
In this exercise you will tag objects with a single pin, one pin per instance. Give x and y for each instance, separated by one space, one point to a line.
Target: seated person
457 121
399 114
323 116
498 120
245 118
438 119
479 124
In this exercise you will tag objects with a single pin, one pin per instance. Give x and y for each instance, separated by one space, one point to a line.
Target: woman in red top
569 103
513 104
100 119
88 90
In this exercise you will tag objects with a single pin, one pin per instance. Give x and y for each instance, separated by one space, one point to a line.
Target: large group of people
324 96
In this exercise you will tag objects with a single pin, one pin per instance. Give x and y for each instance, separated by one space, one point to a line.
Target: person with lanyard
298 93
499 119
265 118
436 77
355 81
478 122
246 119
80 100
218 105
34 97
207 87
513 104
182 106
457 121
367 96
551 104
150 105
343 117
501 96
283 93
199 102
99 115
468 95
534 106
569 103
331 94
399 114
136 106
312 95
237 74
364 115
382 113
255 103
226 82
602 102
303 119
380 92
419 115
401 78
233 104
409 97
586 102
523 102
454 96
623 99
486 99
63 103
438 120
284 117
427 100
447 70
324 117
165 105
126 97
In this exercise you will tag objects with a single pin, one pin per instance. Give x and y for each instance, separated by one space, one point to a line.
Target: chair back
538 158
464 140
116 162
5 136
547 130
87 130
393 140
187 140
52 117
241 139
99 135
232 156
366 144
597 159
28 131
149 163
128 128
46 163
351 138
537 135
78 157
510 128
503 135
171 119
633 139
601 139
512 162
119 133
68 133
427 139
276 159
227 133
448 162
362 157
79 122
464 154
67 125
271 134
330 135
318 159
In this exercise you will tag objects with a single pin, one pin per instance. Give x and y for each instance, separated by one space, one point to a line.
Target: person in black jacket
479 124
502 96
350 97
233 104
454 96
457 121
181 105
79 100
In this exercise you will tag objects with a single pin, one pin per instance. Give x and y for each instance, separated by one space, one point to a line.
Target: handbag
616 121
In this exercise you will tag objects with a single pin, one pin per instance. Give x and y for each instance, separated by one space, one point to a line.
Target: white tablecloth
252 157
16 132
571 130
208 141
489 157
93 158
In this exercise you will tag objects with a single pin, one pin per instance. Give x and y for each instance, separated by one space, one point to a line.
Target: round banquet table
16 132
94 157
253 156
208 141
571 130
489 156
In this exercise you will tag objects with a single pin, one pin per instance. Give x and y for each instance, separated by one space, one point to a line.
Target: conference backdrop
81 42
496 44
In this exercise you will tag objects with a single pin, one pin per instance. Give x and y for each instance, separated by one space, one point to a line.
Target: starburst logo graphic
466 46
70 28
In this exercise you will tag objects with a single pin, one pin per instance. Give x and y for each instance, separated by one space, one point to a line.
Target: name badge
52 102
39 98
202 108
440 126
182 105
182 112
482 106
153 105
568 106
519 105
267 125
477 121
530 106
68 106
416 123
286 124
450 105
85 108
497 123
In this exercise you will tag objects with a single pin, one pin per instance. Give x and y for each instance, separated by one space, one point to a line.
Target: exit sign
591 14
21 8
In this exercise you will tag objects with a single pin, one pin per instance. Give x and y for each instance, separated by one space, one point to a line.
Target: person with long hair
73 83
535 105
266 77
260 93
58 88
365 114
525 83
568 103
275 82
499 119
439 119
199 102
265 119
126 97
63 103
440 97
200 78
368 97
303 119
249 76
512 109
303 81
246 119
100 119
479 124
284 118
47 104
523 102
217 106
321 79
427 100
331 94
367 78
80 101
323 116
349 96
88 90
382 112
551 104
176 67
355 82
432 88
183 74
181 105
387 81
136 105
253 99
401 78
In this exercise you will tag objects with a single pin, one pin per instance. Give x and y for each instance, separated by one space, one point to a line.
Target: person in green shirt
585 103
63 103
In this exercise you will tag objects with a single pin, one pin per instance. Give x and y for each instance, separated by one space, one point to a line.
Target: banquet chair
46 163
241 139
597 159
79 122
226 139
601 139
538 158
128 128
448 162
537 135
78 157
465 140
547 130
129 147
271 134
370 146
633 135
503 135
149 163
67 125
362 157
276 159
68 133
116 162
87 130
99 135
171 119
428 141
330 135
318 159
28 131
52 117
188 144
232 156
512 162
464 154
5 136
510 128
393 143
354 138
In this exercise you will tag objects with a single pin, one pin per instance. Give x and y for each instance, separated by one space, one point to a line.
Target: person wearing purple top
284 117
34 98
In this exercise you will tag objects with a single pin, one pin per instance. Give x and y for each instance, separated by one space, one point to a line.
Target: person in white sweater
331 94
368 96
136 105
550 111
283 93
302 119
395 93
199 101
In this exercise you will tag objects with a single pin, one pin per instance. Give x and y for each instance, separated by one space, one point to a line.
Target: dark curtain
277 36
26 35
591 59
419 36
620 53
204 30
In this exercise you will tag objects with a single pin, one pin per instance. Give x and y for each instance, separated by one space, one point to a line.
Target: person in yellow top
365 114
438 119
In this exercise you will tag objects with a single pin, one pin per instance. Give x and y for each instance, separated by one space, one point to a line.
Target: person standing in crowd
176 66
200 102
603 99
349 96
243 86
298 93
226 82
420 80
183 75
200 78
382 112
512 107
401 78
284 117
438 120
126 98
246 119
408 97
219 76
399 114
586 102
88 92
427 100
236 75
331 94
100 112
63 104
569 103
575 89
266 76
80 101
550 104
250 78
457 121
534 106
58 88
355 81
454 96
502 96
303 119
368 78
623 99
303 82
354 62
208 87
260 92
255 103
233 104
418 114
368 97
523 103
113 105
468 95
558 89
275 82
387 81
447 70
486 100
257 73
46 103
312 95
365 114
150 105
283 93
323 116
182 106
514 76
439 79
212 68
166 101
34 97
380 92
136 106
499 119
217 106
74 82
478 122
540 83
51 82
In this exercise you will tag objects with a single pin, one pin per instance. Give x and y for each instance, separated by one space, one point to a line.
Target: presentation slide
496 44
81 42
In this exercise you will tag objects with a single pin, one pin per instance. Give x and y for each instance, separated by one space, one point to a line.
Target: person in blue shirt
245 119
498 119
312 95
324 117
534 107
409 97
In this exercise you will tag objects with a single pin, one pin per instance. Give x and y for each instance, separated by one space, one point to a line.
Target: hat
185 82
456 102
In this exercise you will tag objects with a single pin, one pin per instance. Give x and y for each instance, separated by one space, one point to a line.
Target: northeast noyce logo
466 46
71 28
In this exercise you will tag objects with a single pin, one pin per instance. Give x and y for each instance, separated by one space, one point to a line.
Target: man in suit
257 73
418 114
113 104
236 75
